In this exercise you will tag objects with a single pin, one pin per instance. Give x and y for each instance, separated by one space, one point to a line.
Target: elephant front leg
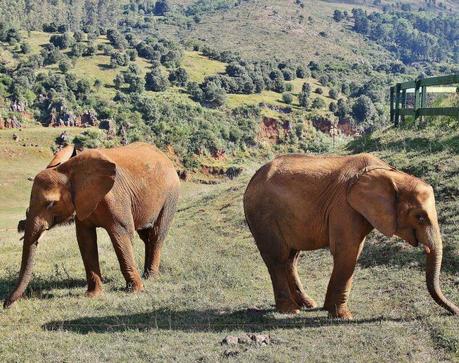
87 242
123 247
339 287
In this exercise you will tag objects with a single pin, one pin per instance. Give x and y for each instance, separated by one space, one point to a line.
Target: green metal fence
398 98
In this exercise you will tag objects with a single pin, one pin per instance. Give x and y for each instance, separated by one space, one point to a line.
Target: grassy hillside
282 29
197 66
214 283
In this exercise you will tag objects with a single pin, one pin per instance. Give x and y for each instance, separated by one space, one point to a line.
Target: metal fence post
391 97
397 104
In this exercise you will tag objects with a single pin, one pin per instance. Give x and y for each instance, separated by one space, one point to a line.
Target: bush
318 103
278 86
333 94
64 65
303 100
287 98
25 48
333 107
155 81
363 109
178 77
324 79
319 91
302 72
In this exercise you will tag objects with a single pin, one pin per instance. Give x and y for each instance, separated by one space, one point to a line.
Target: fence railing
398 98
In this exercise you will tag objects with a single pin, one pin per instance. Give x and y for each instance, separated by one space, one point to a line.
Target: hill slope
214 282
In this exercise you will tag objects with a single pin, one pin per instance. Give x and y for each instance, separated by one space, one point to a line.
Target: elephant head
67 187
399 204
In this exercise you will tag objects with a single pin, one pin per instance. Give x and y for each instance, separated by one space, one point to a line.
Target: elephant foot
287 307
339 312
305 301
93 293
134 287
147 274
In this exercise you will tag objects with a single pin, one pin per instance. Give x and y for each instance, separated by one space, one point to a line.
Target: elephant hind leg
296 288
155 236
278 270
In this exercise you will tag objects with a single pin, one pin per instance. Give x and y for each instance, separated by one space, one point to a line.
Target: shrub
318 103
64 65
287 98
178 77
363 109
319 91
333 94
155 81
303 100
324 79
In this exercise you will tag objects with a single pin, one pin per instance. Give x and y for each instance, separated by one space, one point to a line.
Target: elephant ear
374 196
91 176
62 156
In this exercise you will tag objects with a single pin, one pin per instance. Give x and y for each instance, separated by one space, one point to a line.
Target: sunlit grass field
213 282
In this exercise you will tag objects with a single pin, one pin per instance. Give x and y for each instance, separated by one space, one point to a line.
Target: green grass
214 283
198 66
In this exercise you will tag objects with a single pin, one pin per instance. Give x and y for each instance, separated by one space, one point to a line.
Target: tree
333 107
178 77
97 84
287 98
25 48
278 86
64 65
195 92
319 91
338 15
318 103
306 88
155 81
288 74
214 94
363 109
162 7
78 36
78 50
324 79
118 81
303 100
61 41
346 89
333 93
302 72
343 109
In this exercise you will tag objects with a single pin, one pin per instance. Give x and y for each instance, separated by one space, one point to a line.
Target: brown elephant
123 190
298 202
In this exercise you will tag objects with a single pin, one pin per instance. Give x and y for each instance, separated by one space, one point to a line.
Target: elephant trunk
433 266
25 274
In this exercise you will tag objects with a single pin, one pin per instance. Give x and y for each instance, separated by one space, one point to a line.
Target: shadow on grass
197 320
39 288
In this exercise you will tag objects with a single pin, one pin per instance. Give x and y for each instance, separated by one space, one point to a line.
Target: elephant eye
421 218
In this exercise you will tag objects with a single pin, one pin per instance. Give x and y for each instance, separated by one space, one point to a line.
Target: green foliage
287 98
318 103
92 139
156 81
363 109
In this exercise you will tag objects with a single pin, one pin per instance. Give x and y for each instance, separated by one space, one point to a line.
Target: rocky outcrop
10 123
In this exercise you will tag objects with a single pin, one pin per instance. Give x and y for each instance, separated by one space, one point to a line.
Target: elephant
134 188
301 202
